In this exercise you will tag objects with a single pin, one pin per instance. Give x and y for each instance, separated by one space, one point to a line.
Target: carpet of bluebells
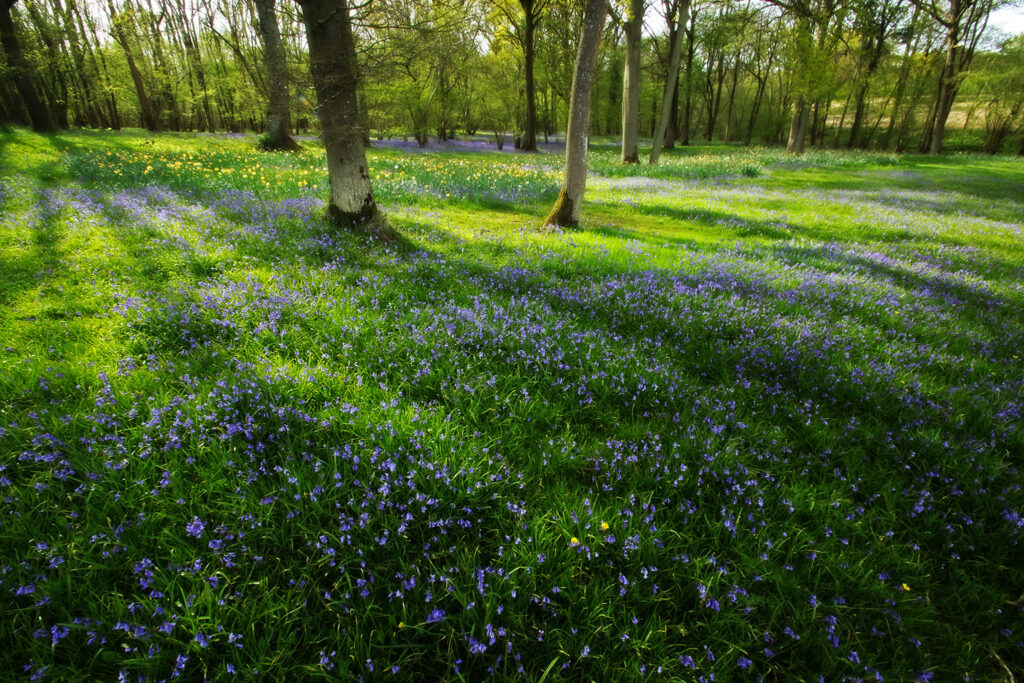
760 423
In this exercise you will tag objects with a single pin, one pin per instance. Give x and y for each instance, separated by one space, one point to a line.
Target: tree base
562 213
268 143
371 223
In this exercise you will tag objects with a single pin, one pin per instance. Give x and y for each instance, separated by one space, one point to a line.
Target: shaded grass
756 426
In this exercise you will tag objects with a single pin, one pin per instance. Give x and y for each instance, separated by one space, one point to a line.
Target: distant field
758 418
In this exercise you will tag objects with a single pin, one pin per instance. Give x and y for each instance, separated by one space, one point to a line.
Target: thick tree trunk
24 77
675 56
529 53
278 116
631 84
566 211
333 67
798 126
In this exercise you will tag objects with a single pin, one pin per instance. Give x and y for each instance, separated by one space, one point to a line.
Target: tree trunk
730 127
687 104
631 84
842 122
333 67
675 56
278 115
566 211
25 78
149 118
798 126
758 95
944 98
60 101
529 25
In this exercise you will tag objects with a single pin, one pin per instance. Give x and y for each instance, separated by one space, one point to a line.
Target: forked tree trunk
278 116
566 211
675 56
24 78
333 67
631 84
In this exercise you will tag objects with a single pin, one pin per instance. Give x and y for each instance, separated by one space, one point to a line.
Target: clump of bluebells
236 442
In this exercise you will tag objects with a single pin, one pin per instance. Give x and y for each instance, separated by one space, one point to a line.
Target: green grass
758 417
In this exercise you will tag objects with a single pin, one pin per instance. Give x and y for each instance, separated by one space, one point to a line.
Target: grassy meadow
759 418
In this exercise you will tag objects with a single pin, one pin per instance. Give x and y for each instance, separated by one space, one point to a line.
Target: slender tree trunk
149 118
842 121
278 115
529 54
566 211
24 75
675 56
333 67
672 129
946 91
758 95
715 101
631 84
90 107
687 103
192 50
729 125
61 97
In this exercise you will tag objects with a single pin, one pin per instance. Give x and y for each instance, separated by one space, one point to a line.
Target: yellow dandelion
604 526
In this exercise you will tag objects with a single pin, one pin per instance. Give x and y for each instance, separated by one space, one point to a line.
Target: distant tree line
906 75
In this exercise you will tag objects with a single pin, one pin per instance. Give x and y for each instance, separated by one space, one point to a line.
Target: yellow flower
604 526
906 588
401 624
574 541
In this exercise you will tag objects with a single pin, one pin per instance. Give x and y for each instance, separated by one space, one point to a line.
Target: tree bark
531 11
687 103
631 84
25 78
798 126
149 118
730 126
944 99
333 68
278 114
566 211
675 56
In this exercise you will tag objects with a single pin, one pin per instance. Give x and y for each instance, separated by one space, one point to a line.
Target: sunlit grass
758 418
